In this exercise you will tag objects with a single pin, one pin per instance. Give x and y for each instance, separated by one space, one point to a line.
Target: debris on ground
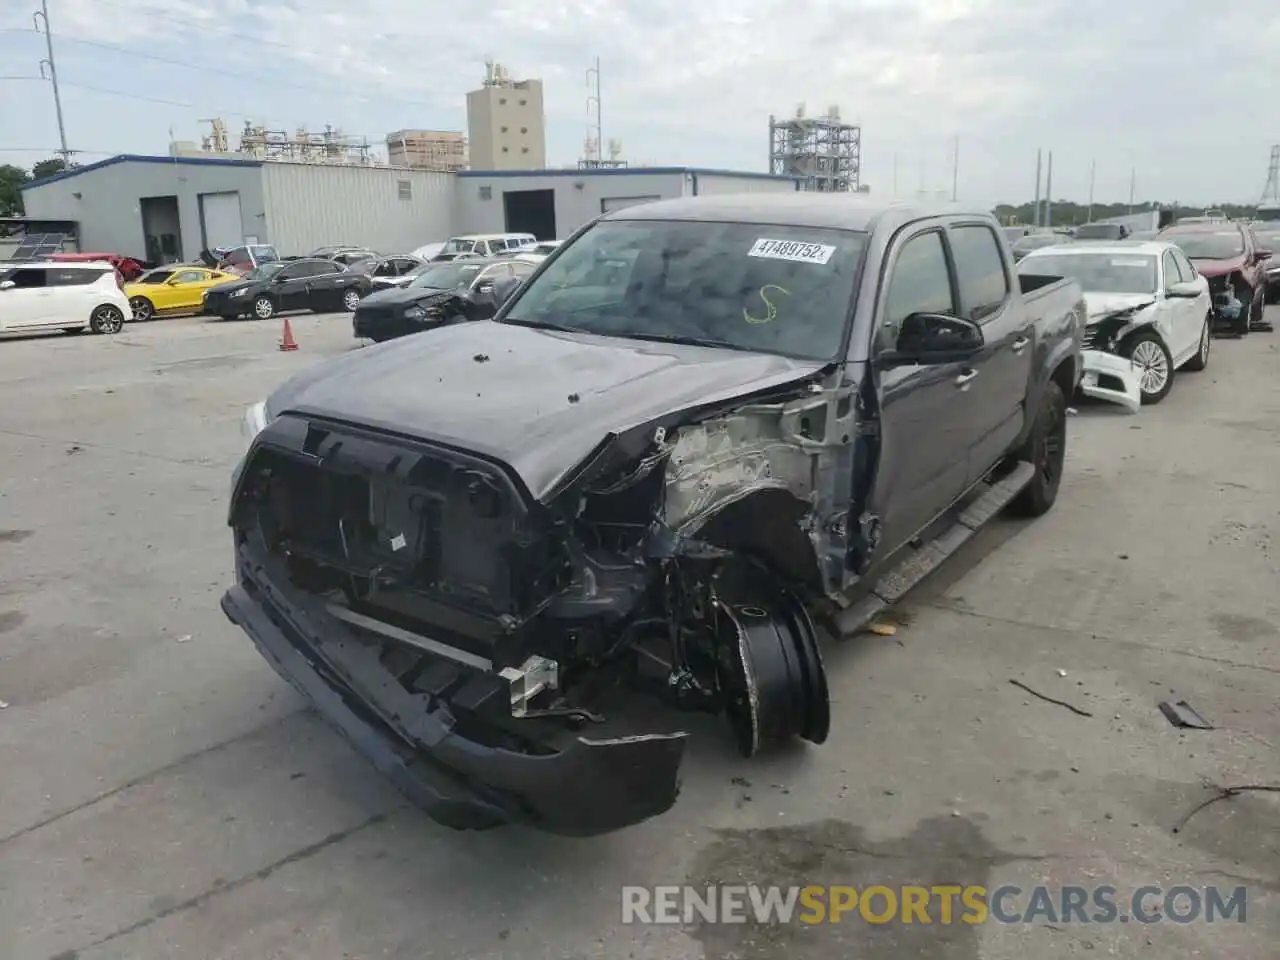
574 398
881 629
1062 673
184 638
1182 715
1226 793
740 781
1072 411
1047 699
3 705
481 358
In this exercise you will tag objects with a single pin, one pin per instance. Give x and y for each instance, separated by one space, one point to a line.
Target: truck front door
925 433
1003 368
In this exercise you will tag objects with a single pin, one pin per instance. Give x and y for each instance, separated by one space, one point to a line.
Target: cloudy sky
1183 91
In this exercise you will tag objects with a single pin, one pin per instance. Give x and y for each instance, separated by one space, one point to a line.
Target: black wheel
350 299
1046 450
769 664
107 318
1258 315
1201 359
1244 293
143 309
1147 350
264 308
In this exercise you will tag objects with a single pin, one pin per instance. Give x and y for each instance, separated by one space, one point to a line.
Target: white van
484 245
39 296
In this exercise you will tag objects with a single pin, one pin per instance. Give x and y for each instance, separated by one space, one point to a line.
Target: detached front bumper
588 787
1111 378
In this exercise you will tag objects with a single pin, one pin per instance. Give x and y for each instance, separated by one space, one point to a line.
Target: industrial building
506 124
823 153
554 203
444 150
170 208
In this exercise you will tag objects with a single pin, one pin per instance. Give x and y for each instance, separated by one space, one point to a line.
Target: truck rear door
1003 369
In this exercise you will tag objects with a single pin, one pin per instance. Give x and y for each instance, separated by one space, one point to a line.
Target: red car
128 268
1228 255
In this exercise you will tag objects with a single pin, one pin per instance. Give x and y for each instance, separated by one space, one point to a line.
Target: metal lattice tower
824 153
1271 192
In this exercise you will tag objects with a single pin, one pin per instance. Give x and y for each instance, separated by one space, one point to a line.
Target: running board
897 582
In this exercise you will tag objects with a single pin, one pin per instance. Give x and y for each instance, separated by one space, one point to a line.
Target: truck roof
799 209
1146 247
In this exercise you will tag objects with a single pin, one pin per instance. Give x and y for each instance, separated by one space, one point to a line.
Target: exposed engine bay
682 561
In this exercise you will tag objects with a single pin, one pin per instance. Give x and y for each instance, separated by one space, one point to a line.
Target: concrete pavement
164 795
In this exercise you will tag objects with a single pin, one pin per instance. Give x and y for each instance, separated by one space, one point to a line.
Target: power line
344 91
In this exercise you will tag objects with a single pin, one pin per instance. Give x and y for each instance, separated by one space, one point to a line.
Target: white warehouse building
171 208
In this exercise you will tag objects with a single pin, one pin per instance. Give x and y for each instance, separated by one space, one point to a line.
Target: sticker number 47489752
791 250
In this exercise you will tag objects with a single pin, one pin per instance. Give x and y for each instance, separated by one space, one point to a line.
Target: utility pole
1048 193
1133 184
43 15
593 103
955 170
1093 169
1035 207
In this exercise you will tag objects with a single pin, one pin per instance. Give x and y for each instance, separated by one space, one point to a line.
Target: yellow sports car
172 289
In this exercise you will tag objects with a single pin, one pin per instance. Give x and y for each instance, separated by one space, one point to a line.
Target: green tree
11 178
47 168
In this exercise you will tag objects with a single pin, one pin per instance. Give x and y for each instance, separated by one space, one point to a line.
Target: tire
107 319
1244 294
1258 315
350 299
73 330
1147 349
1201 359
264 308
143 309
1046 450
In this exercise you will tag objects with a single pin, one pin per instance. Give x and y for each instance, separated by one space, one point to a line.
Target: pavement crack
144 778
261 874
89 445
1098 637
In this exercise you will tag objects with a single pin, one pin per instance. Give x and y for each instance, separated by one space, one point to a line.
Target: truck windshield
764 288
1097 272
1219 245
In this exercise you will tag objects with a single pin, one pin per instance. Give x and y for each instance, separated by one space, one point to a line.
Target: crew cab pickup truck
496 554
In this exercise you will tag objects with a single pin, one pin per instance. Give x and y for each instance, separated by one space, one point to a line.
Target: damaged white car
1150 313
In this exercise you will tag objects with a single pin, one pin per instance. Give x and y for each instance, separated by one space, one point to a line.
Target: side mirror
1184 290
933 338
7 284
1263 254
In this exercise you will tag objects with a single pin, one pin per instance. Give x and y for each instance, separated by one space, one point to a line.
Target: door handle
966 378
1020 344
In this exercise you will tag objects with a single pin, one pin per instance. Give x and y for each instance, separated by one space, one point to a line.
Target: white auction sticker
792 250
1130 262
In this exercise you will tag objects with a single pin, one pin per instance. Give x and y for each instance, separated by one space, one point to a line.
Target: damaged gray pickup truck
496 555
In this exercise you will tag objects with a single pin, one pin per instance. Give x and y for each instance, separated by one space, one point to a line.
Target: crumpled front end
508 658
1111 378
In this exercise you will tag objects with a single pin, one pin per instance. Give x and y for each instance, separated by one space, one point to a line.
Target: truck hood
1217 268
1100 305
540 401
400 296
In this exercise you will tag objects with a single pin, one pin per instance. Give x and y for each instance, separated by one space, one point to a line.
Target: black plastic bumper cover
593 787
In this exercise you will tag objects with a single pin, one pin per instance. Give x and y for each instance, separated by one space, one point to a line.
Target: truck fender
1063 365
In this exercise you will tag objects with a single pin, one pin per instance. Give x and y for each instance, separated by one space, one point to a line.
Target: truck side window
920 283
984 285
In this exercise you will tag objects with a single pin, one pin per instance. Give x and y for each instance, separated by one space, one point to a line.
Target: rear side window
29 279
75 278
323 269
984 285
1171 274
920 283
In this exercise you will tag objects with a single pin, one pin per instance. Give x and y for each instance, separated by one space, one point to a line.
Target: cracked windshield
639 481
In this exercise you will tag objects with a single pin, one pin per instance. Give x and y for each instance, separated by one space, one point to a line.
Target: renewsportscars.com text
972 905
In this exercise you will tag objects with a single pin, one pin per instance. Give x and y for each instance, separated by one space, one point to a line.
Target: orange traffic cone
287 342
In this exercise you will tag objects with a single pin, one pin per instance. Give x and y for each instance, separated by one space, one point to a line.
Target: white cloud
1176 88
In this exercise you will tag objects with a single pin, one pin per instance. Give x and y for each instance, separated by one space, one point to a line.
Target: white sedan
1149 315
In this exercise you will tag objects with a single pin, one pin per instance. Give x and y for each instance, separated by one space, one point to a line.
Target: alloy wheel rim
351 299
109 319
262 308
1155 368
141 308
